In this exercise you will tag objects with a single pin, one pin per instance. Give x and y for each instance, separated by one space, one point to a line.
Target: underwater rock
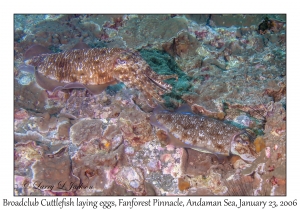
85 130
101 27
198 163
134 126
276 124
239 186
113 136
212 182
25 95
163 163
184 49
54 172
270 25
43 122
96 165
142 30
226 70
118 190
54 31
63 128
199 191
132 179
29 135
25 154
154 165
23 186
275 152
34 98
277 91
235 20
82 105
184 45
22 114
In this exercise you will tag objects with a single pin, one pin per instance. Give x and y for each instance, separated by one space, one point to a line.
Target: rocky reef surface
230 67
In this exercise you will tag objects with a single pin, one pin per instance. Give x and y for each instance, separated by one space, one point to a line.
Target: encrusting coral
229 69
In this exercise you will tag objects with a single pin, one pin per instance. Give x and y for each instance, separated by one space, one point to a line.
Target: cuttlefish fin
35 50
47 83
54 85
175 141
184 109
97 89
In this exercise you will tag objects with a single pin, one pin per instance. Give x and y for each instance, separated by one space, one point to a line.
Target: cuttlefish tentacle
95 69
154 91
158 79
146 86
143 78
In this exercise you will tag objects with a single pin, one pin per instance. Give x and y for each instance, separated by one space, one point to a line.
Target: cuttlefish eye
241 141
121 62
242 147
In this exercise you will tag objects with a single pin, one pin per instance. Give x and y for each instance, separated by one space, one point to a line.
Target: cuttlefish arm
133 71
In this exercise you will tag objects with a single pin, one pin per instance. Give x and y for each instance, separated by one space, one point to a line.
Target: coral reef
270 166
135 126
228 67
85 130
53 172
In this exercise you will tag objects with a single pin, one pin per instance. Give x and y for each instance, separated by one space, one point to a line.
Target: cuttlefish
95 69
185 129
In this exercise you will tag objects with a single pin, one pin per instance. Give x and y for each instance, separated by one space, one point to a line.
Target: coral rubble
228 67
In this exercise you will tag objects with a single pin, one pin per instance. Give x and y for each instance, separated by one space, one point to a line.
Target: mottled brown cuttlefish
205 134
95 69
